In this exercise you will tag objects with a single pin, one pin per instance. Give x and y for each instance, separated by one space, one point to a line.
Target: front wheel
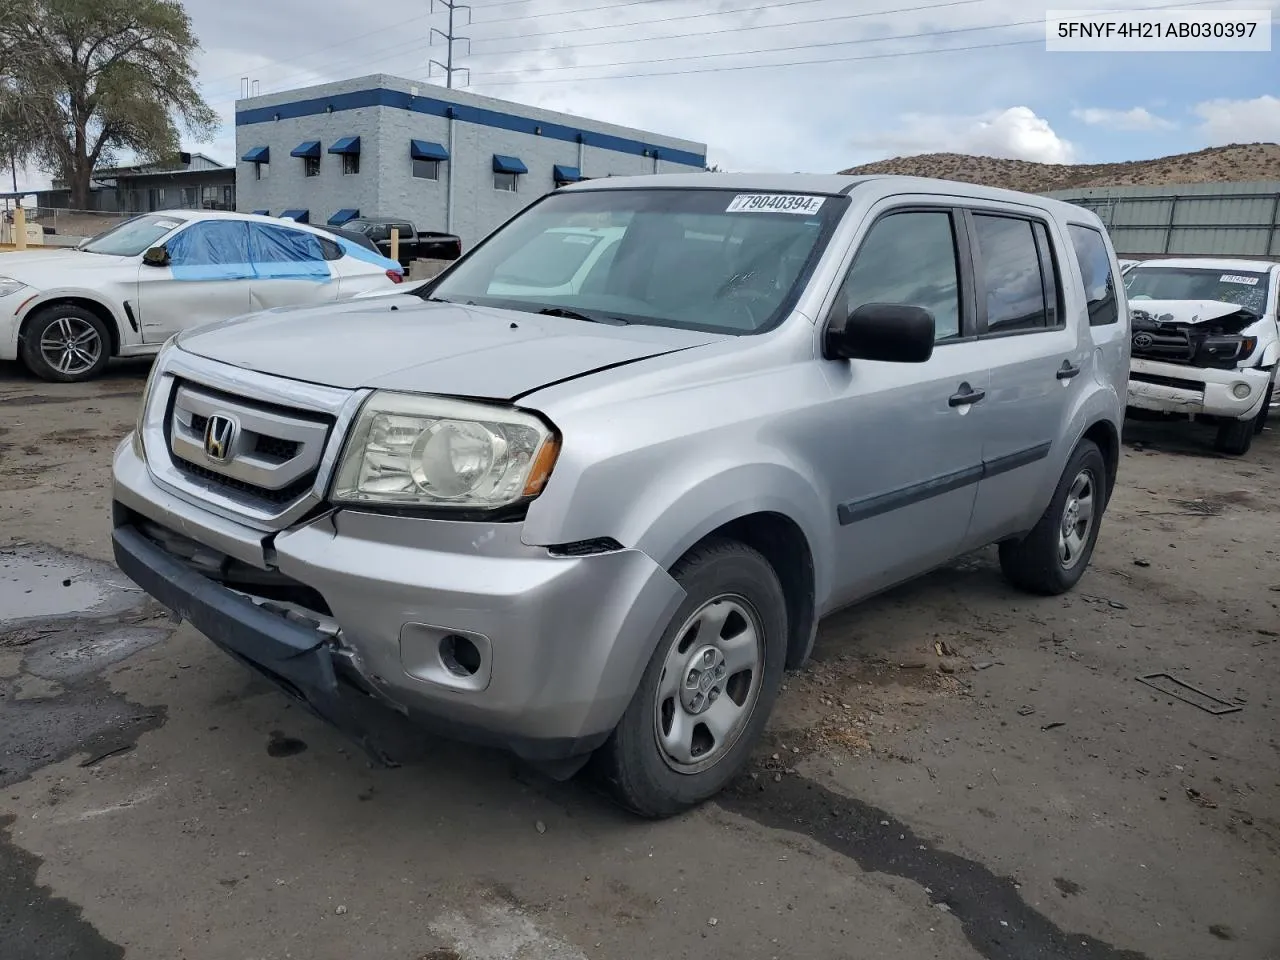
65 343
1052 558
706 694
1235 437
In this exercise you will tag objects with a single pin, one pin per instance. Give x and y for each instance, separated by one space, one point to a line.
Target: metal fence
58 226
1224 220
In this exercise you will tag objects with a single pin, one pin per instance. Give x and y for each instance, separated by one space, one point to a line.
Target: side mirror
894 332
156 257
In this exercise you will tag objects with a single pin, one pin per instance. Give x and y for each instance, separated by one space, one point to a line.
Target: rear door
1040 360
207 279
290 267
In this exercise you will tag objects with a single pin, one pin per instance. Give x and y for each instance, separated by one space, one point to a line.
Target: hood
443 348
1186 311
55 268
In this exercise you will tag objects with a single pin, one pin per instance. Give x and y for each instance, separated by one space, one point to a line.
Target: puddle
39 583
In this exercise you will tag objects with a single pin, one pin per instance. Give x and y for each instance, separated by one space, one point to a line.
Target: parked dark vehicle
414 245
356 238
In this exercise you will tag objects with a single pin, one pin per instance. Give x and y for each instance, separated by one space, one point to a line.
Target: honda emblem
219 432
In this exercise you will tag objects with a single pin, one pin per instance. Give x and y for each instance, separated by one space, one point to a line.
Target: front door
903 446
207 279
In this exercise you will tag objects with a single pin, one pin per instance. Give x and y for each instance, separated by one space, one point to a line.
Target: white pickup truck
1206 343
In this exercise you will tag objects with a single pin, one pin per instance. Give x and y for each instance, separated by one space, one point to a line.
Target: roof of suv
830 184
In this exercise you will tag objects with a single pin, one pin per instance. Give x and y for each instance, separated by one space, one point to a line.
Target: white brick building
446 159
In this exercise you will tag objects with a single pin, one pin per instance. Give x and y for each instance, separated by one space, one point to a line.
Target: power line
769 6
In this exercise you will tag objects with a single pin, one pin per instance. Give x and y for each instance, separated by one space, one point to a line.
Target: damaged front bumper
1197 391
351 609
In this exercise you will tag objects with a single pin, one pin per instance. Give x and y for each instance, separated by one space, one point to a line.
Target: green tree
83 80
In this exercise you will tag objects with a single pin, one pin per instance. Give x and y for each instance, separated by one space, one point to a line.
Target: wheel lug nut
720 671
697 702
714 695
708 658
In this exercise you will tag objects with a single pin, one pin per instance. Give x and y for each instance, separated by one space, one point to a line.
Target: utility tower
449 38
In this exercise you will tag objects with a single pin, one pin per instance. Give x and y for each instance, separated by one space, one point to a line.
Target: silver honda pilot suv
587 494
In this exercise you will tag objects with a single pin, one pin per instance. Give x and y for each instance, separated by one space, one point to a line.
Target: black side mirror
894 332
156 257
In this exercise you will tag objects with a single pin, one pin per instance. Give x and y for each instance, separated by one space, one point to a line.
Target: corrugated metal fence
1203 219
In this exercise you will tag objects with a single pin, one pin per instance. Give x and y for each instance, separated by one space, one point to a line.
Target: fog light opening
1241 391
460 656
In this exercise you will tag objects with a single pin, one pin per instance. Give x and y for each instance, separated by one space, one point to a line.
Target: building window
505 182
350 163
311 166
261 171
426 169
188 198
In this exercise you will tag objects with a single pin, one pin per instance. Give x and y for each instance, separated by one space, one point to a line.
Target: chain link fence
58 227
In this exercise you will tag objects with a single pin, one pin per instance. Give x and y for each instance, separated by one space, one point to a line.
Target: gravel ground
962 771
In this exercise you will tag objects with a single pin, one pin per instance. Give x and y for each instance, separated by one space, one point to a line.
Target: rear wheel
66 343
1235 437
1052 558
706 694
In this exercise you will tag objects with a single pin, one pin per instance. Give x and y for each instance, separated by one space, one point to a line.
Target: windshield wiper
576 315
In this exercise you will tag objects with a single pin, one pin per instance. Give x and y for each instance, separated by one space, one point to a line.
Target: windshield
1245 289
133 237
712 260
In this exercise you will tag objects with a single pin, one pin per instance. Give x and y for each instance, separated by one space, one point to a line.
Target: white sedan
65 313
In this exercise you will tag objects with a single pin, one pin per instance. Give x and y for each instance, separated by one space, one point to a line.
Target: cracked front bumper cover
293 657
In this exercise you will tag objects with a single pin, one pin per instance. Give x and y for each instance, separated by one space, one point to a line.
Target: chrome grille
270 455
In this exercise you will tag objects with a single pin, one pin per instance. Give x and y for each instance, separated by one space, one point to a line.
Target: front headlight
414 450
9 286
157 365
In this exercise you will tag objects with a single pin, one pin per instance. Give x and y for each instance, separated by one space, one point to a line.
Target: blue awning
503 164
426 150
342 216
258 155
261 213
346 145
563 174
302 216
308 148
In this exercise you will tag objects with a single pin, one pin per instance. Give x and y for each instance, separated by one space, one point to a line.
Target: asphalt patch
996 920
281 746
35 924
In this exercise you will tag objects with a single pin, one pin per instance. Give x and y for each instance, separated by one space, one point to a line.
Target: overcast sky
735 78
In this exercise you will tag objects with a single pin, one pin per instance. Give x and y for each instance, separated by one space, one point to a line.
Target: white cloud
1016 133
1239 121
1138 118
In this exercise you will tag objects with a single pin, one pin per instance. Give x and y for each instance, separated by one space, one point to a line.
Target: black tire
1260 421
1235 437
631 763
77 321
1034 563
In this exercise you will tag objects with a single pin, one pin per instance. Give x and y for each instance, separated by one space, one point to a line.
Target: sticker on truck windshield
774 203
1233 278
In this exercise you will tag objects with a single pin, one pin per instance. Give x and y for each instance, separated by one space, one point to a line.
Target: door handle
1067 371
966 395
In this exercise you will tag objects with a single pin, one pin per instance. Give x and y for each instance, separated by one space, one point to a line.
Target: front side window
426 169
505 182
908 258
350 163
1095 268
692 258
311 166
133 237
1244 288
211 250
1011 278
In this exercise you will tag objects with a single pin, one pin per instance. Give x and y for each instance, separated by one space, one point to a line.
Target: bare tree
83 80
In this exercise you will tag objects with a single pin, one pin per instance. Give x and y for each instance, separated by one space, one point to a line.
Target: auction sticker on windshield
774 203
1232 278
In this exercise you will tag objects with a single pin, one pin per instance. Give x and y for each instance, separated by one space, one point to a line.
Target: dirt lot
1032 800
